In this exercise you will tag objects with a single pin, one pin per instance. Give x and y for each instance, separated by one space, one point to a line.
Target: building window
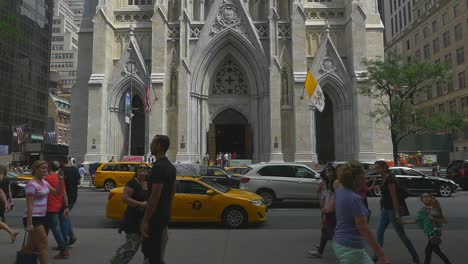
57 22
425 32
436 45
439 89
460 56
464 104
458 32
55 30
410 11
404 16
57 39
446 39
456 10
393 28
434 26
441 108
452 106
417 54
445 18
461 80
429 93
450 85
427 51
448 59
408 44
140 2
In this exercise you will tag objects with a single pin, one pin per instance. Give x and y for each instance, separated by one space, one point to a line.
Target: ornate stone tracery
229 80
228 17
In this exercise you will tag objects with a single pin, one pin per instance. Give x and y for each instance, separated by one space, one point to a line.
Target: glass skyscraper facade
25 39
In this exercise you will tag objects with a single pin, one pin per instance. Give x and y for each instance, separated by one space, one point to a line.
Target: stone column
98 137
304 116
275 91
184 101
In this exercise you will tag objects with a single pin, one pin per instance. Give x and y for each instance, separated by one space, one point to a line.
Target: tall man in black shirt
161 187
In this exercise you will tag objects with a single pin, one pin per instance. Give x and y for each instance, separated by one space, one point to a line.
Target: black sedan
17 185
417 182
221 176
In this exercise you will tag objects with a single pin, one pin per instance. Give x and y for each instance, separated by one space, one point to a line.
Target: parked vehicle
221 176
237 170
278 181
110 175
457 171
17 185
417 182
366 165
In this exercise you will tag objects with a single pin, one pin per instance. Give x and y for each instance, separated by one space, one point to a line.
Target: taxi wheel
267 195
109 185
234 217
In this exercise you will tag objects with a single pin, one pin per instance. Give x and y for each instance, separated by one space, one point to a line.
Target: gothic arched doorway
230 132
324 131
137 147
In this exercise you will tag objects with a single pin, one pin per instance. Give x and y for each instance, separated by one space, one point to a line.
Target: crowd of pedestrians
345 216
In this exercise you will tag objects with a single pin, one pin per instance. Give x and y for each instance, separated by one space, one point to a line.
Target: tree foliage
394 85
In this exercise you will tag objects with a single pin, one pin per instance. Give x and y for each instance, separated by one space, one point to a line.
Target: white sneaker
314 254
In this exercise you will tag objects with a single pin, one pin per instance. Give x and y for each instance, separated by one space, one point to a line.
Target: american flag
21 134
148 94
50 137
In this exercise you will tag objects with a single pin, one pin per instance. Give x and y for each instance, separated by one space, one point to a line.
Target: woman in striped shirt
37 191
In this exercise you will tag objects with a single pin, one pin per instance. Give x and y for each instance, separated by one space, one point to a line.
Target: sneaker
315 254
317 246
63 255
72 241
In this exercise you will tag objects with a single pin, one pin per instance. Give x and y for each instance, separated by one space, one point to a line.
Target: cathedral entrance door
137 147
324 132
230 132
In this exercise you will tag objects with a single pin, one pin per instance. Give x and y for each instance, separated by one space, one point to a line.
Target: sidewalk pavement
247 246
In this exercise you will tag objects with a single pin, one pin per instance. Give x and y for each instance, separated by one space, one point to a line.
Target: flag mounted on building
314 91
50 137
21 134
148 94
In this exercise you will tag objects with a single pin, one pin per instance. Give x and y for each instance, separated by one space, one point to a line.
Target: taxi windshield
215 185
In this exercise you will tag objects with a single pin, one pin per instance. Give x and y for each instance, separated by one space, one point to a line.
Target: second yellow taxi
199 199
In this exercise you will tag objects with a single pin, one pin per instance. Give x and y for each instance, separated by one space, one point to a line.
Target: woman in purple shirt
352 231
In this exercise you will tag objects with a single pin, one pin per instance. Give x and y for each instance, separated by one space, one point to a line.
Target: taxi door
191 203
125 173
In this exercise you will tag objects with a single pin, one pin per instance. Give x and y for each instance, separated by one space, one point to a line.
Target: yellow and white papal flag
315 91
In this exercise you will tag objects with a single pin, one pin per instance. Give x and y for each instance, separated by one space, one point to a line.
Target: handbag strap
24 240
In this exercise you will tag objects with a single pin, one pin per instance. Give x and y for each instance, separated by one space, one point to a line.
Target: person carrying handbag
327 207
393 206
134 195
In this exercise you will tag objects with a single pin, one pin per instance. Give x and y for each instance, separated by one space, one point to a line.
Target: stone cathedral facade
227 76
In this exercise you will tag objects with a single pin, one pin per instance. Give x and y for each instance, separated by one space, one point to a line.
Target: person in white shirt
82 172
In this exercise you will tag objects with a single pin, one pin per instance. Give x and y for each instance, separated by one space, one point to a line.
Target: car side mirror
210 192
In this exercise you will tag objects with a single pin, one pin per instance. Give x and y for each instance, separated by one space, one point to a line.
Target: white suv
278 181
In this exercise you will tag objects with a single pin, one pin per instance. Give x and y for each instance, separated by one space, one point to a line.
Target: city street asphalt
291 229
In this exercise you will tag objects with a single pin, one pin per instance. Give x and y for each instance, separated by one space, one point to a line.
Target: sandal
13 237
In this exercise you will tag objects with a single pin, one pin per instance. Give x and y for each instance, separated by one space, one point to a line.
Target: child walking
430 219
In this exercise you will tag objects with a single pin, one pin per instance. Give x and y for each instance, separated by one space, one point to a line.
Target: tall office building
64 47
77 7
25 34
439 34
398 16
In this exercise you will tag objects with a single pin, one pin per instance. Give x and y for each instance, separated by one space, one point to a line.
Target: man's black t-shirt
72 180
387 202
163 172
134 215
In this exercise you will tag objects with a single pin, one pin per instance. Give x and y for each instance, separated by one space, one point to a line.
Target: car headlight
256 202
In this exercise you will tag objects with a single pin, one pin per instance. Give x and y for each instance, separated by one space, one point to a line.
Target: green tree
393 85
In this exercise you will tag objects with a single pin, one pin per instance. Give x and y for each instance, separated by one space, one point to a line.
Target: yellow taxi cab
24 176
200 199
237 170
110 175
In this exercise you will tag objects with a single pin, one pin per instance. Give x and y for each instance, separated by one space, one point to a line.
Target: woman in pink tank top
37 191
